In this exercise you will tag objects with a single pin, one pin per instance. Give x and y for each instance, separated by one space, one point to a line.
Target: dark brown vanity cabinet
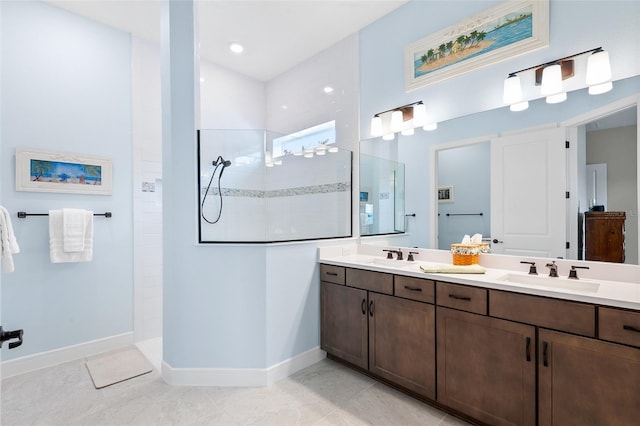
486 366
402 343
392 337
344 323
586 381
503 358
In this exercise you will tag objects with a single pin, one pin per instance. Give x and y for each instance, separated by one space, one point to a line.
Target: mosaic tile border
326 188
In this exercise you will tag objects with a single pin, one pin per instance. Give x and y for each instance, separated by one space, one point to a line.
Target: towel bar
23 215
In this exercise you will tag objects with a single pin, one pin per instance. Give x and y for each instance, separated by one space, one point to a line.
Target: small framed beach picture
509 29
42 171
445 194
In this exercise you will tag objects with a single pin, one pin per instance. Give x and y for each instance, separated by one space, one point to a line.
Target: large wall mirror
599 170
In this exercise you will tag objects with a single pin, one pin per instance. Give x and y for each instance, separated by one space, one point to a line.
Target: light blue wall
574 26
66 87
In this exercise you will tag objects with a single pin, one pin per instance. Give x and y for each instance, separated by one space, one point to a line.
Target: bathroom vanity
500 348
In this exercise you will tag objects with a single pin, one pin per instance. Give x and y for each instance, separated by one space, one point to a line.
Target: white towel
56 239
8 243
74 228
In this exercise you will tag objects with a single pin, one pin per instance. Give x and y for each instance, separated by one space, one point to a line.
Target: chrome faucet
553 269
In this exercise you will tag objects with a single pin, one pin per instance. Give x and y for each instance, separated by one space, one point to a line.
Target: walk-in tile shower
260 186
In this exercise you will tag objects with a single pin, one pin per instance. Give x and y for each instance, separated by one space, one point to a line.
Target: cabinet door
486 367
343 323
585 381
402 342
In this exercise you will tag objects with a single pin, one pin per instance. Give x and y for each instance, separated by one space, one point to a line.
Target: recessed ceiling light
236 47
327 89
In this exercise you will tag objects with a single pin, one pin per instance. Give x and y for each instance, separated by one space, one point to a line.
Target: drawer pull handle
371 308
364 306
528 349
453 296
407 287
545 359
631 328
333 274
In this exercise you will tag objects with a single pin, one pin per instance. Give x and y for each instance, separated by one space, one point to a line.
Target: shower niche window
258 186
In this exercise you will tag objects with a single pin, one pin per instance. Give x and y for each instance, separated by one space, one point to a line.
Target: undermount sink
552 282
390 262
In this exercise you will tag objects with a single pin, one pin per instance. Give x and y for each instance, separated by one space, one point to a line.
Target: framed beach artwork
510 29
42 171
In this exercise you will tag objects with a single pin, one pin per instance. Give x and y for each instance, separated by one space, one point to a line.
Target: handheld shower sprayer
220 161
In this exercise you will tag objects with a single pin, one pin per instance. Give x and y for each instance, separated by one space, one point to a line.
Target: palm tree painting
67 173
478 41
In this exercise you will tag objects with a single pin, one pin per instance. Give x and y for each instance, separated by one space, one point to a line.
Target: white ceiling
277 35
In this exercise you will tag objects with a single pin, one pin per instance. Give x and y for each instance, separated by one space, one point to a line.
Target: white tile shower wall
147 205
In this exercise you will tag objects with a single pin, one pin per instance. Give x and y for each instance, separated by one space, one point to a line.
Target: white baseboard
240 377
28 363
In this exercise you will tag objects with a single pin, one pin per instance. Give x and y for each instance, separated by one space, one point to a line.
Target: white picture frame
46 171
509 29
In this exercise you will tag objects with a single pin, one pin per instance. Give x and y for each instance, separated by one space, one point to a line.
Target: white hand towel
56 239
8 243
73 229
476 239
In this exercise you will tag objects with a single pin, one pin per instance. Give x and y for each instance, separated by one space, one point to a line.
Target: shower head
221 162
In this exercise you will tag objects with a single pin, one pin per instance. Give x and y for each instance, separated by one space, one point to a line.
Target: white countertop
592 290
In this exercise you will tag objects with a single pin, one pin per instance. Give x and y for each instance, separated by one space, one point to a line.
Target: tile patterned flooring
326 393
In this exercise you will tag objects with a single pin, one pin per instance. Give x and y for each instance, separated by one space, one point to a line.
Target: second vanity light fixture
549 77
404 119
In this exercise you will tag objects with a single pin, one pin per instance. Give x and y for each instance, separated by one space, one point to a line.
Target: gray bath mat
117 366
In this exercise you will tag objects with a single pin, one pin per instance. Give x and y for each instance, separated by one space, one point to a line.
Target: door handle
371 308
364 306
528 349
497 241
8 335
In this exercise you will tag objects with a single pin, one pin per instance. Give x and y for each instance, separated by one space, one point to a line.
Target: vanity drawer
370 280
332 274
414 288
465 298
619 325
562 315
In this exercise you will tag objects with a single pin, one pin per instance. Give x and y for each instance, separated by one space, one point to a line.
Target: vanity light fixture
403 120
549 77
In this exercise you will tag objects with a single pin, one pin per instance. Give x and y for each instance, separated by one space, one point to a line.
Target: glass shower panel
247 197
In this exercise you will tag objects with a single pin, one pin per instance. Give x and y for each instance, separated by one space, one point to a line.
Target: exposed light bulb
388 136
333 149
430 126
327 89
